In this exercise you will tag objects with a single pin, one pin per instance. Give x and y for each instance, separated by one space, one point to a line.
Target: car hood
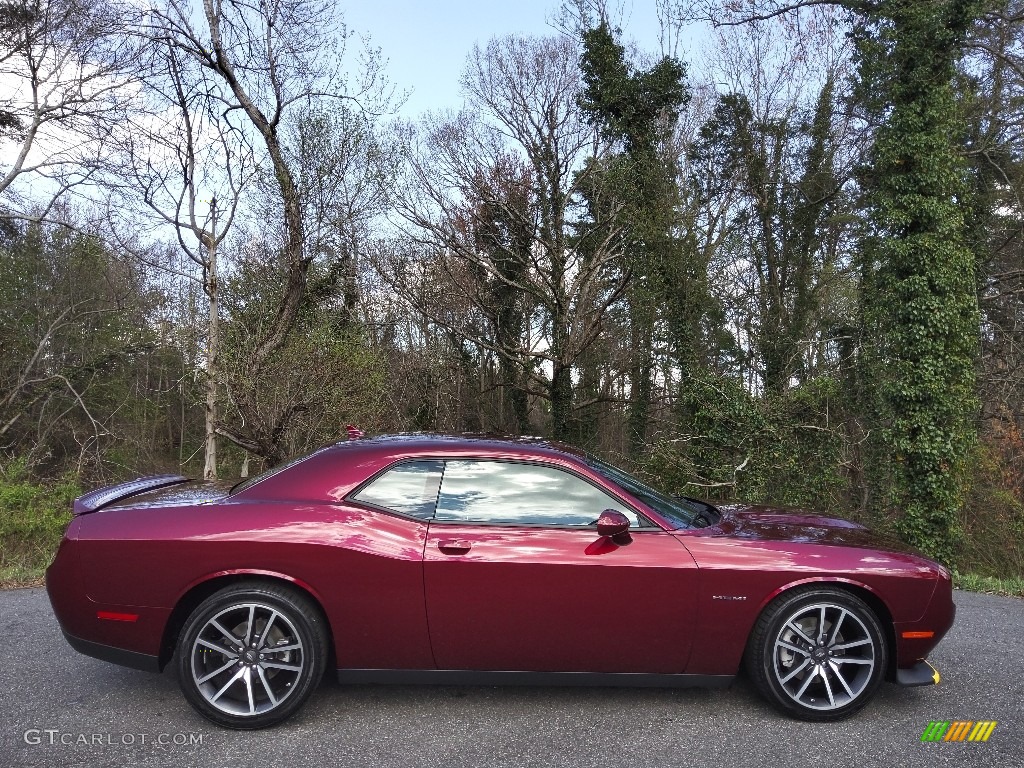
769 523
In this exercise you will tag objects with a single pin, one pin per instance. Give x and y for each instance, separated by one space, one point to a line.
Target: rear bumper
79 617
132 659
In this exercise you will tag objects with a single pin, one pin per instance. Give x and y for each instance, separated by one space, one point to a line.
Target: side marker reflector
113 616
917 635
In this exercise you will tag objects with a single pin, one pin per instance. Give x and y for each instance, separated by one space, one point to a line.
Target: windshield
684 513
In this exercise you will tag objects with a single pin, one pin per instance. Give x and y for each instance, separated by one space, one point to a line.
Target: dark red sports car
444 559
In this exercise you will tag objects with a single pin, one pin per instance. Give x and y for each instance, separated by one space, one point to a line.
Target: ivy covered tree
919 302
638 109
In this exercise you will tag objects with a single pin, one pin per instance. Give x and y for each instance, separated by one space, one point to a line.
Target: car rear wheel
817 654
251 654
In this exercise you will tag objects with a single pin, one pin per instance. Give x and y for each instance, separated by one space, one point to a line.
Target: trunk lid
103 497
156 490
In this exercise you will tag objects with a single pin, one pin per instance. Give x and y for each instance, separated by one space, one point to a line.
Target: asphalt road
59 708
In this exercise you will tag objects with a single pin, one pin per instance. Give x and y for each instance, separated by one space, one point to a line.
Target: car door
517 578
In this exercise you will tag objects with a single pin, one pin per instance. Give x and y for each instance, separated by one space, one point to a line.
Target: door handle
454 546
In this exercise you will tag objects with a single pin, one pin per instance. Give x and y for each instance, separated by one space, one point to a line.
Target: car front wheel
251 654
817 654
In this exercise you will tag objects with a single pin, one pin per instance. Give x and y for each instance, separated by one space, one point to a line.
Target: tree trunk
561 401
212 348
641 341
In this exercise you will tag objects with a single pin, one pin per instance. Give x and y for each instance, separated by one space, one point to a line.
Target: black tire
817 653
251 654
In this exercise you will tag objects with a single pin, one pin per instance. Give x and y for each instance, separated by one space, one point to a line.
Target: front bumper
921 673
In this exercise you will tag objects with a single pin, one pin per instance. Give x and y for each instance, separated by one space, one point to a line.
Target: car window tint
409 488
525 494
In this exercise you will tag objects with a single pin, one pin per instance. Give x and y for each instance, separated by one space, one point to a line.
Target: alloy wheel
823 656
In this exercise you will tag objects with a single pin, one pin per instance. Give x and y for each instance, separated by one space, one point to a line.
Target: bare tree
739 12
345 170
64 75
993 101
71 313
465 181
189 165
270 60
782 140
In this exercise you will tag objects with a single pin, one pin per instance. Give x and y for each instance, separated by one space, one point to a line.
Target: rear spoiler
101 497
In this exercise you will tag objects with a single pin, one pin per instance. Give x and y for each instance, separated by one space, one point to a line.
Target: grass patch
18 577
991 585
33 517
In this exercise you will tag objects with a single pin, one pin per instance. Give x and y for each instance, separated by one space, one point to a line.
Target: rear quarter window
409 488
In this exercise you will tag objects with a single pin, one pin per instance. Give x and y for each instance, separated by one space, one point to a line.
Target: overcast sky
426 41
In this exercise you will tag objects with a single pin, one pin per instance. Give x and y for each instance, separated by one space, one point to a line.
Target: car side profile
460 559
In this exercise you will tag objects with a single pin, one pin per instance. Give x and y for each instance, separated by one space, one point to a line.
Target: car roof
335 469
444 442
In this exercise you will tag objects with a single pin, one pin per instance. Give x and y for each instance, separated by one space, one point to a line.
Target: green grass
992 585
33 517
17 577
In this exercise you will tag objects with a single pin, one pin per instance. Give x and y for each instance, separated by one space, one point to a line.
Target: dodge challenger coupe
473 560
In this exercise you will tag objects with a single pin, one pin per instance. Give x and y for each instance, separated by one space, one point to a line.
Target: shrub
785 449
33 517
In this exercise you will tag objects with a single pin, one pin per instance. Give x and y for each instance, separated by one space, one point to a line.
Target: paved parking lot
63 709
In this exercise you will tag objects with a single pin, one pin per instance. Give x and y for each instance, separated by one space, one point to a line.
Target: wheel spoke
218 648
228 684
791 647
799 631
836 672
807 682
828 687
229 635
288 667
795 672
835 627
844 660
266 629
279 648
821 625
249 627
852 644
211 675
267 688
248 685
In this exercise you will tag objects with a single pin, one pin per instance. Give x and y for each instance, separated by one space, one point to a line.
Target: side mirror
612 523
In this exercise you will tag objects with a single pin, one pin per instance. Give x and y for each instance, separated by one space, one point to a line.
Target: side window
525 494
409 488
